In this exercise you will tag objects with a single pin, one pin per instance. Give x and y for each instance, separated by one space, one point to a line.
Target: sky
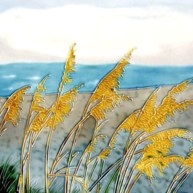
43 31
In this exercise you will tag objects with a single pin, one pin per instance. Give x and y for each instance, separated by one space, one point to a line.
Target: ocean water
14 76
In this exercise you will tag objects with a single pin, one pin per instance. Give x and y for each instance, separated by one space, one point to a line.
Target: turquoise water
14 76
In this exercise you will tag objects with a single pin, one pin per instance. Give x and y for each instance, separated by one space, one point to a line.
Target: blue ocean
14 76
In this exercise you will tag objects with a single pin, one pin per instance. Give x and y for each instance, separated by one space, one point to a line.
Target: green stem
117 163
112 179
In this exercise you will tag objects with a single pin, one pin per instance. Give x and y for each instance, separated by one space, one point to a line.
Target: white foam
9 88
92 83
10 76
34 78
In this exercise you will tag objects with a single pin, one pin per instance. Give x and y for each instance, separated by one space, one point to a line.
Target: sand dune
10 142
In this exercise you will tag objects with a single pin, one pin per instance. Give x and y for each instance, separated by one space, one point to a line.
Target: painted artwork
96 96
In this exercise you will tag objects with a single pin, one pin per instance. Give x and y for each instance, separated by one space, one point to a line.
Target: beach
11 141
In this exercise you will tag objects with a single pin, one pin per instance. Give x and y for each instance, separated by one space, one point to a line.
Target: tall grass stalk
127 158
25 155
178 176
29 161
126 169
105 173
182 180
136 178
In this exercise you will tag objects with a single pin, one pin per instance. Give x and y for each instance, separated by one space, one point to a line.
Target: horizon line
96 64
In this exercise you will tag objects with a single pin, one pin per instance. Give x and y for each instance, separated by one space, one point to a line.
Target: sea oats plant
147 147
11 108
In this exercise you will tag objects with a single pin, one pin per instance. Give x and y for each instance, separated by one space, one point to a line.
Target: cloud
43 4
9 54
103 35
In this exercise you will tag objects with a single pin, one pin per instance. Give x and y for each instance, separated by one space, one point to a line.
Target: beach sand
11 141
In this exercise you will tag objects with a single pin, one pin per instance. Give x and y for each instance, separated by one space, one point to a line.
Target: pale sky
42 31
